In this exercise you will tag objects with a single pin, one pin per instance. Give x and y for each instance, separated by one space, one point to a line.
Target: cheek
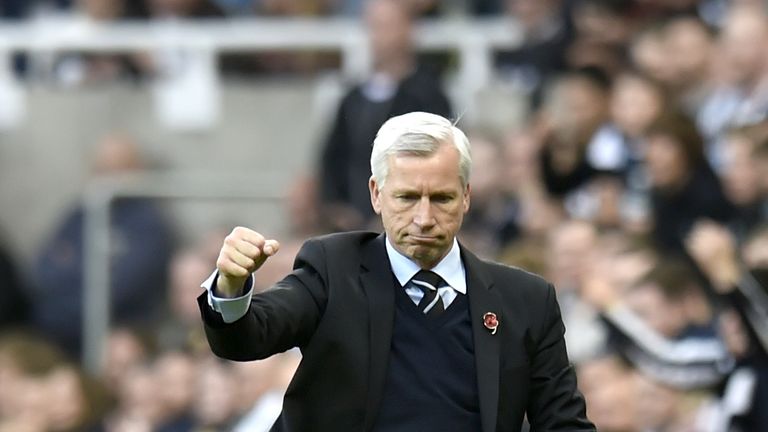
394 219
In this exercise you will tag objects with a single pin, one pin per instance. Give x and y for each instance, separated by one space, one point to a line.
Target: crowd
133 9
638 185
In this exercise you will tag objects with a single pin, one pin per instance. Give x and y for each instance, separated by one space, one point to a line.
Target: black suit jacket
338 306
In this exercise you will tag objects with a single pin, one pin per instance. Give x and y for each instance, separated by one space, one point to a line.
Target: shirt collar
450 268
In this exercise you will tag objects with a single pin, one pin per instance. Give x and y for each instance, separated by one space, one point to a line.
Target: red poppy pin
490 322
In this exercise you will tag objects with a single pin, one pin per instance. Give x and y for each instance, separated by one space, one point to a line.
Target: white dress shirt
450 268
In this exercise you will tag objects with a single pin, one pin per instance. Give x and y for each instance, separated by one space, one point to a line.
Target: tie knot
428 279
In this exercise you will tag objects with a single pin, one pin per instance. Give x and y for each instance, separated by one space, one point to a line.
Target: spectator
395 87
601 29
294 7
178 329
741 98
98 68
636 102
691 47
139 405
575 110
683 186
175 9
266 408
741 182
649 53
43 391
141 246
175 374
607 383
618 197
215 406
491 220
126 349
745 292
542 55
571 251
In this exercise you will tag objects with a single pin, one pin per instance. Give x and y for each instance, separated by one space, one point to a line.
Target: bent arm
283 317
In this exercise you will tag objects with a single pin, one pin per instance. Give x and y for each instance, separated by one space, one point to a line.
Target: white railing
472 40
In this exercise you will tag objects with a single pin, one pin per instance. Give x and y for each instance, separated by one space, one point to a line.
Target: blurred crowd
638 185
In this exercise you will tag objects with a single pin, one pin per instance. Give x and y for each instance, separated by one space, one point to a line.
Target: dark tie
431 304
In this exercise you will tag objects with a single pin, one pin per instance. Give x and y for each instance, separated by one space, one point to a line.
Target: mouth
423 238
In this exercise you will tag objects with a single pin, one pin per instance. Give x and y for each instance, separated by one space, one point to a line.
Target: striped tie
431 304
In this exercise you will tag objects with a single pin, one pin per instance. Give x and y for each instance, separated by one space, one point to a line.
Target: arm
278 319
715 252
555 403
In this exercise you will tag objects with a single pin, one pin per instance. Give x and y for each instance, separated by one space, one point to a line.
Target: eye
407 197
442 199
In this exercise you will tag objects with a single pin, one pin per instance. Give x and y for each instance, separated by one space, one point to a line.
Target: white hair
419 134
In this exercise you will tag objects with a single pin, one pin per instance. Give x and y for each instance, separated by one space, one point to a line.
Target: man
396 86
407 330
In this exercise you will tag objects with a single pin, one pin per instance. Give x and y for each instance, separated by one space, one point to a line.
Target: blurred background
620 149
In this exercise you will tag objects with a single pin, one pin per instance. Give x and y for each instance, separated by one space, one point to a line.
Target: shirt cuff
230 309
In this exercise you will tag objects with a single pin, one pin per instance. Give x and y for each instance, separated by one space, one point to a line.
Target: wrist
229 286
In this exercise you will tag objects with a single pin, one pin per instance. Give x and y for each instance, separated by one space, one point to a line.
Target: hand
714 249
599 292
243 252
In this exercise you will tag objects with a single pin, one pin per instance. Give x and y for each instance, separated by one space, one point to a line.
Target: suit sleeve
555 403
283 317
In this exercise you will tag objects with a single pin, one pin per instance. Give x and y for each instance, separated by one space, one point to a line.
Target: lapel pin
490 322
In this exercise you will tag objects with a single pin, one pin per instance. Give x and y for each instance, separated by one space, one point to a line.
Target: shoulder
342 241
521 277
511 282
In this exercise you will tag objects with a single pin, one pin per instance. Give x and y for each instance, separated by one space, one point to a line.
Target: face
743 44
663 315
422 204
665 161
101 9
651 54
389 28
578 109
690 48
485 182
634 105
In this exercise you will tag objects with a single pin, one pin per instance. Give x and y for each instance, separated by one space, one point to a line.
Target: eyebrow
400 191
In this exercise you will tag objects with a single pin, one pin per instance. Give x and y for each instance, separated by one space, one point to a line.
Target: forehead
438 168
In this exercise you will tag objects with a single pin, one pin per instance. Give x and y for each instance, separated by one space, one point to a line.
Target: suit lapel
483 299
377 281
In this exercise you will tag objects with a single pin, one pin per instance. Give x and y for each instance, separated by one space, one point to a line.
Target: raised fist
243 252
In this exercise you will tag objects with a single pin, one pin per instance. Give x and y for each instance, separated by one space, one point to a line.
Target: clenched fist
243 252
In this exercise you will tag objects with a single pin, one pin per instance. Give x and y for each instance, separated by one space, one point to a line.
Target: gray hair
420 134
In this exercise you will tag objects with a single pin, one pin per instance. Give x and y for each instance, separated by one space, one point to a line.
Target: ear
465 198
373 187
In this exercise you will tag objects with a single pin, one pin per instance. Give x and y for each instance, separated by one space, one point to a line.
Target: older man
405 330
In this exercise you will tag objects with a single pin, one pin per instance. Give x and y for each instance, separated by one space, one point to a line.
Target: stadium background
199 115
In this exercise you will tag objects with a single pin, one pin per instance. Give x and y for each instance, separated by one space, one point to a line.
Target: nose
424 217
